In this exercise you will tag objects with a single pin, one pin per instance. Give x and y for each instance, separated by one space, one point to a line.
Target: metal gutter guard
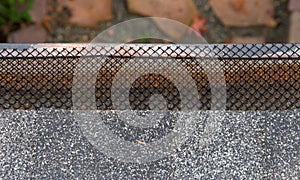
149 111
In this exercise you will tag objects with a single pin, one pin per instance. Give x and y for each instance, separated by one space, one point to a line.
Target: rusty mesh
258 77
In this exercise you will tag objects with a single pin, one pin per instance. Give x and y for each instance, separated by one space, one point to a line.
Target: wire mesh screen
150 76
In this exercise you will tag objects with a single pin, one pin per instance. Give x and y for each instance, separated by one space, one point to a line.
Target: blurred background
218 21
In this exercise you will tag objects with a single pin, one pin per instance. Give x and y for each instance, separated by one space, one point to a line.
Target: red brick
294 34
87 12
294 5
38 11
244 12
29 34
181 10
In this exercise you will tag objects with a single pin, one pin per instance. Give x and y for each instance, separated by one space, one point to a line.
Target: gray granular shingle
50 144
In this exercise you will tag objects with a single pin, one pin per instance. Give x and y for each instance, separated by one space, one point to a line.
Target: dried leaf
142 142
198 25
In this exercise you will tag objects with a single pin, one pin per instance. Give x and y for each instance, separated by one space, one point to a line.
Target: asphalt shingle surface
50 144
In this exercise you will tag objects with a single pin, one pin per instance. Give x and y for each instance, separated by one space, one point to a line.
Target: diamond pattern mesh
257 77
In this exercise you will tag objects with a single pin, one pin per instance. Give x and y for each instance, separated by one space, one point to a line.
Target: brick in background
87 12
180 10
28 34
294 34
294 5
244 13
38 11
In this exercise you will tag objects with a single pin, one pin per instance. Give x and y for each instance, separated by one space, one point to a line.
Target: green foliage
143 38
14 11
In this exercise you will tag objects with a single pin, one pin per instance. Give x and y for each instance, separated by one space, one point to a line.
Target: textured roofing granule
50 144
